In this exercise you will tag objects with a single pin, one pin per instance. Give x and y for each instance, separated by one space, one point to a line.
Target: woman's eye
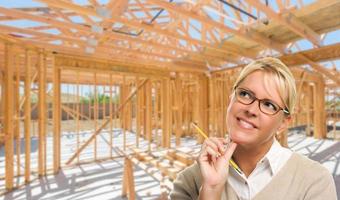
270 105
245 94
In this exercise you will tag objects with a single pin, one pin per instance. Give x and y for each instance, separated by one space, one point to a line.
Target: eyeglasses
266 106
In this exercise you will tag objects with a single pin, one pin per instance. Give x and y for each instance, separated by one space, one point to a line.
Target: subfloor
103 180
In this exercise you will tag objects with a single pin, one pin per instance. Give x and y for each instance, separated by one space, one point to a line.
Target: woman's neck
247 158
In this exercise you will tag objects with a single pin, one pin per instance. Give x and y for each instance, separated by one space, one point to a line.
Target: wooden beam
114 19
178 109
203 97
56 116
247 34
42 115
9 116
82 43
82 29
177 36
138 113
290 21
95 112
319 121
66 25
121 63
86 64
166 113
308 105
321 54
148 113
17 114
128 189
320 69
122 114
111 117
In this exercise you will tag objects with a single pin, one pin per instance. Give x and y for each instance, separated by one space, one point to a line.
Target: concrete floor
103 180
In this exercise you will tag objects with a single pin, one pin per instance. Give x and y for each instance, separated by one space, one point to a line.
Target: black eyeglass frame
254 98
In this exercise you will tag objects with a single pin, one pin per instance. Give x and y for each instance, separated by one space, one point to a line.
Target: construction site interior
98 97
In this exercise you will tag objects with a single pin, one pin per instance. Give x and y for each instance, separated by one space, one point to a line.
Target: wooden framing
106 122
203 97
9 115
319 111
95 115
111 117
27 122
17 115
138 113
166 114
42 115
246 34
128 180
180 66
178 110
148 113
291 21
56 116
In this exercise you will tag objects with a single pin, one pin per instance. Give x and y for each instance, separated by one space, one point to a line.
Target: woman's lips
245 123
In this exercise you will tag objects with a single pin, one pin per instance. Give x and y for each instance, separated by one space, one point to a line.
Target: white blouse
265 170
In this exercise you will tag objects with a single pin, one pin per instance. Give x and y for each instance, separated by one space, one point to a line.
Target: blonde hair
283 78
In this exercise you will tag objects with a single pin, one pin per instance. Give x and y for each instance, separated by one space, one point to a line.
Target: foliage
101 98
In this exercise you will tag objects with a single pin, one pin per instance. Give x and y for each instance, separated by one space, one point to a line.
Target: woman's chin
240 139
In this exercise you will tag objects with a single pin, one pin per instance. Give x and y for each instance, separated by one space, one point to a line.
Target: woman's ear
284 125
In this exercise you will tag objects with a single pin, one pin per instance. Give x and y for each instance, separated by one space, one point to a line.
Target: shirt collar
272 157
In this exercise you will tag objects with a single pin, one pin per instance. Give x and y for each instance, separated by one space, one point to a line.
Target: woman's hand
214 164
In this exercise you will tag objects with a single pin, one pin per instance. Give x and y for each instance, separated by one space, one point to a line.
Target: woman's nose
253 108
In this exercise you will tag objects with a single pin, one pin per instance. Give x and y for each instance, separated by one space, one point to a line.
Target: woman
261 106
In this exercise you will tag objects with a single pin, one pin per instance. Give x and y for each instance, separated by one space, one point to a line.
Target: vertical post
110 113
309 99
27 122
155 112
17 113
56 115
142 111
195 104
42 116
128 111
138 113
213 104
203 105
166 115
9 112
319 109
148 113
95 114
179 110
226 93
128 188
89 104
123 95
77 118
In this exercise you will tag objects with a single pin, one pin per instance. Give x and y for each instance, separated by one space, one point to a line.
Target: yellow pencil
231 162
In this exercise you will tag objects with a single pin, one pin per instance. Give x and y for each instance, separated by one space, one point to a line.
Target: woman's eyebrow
249 90
254 94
